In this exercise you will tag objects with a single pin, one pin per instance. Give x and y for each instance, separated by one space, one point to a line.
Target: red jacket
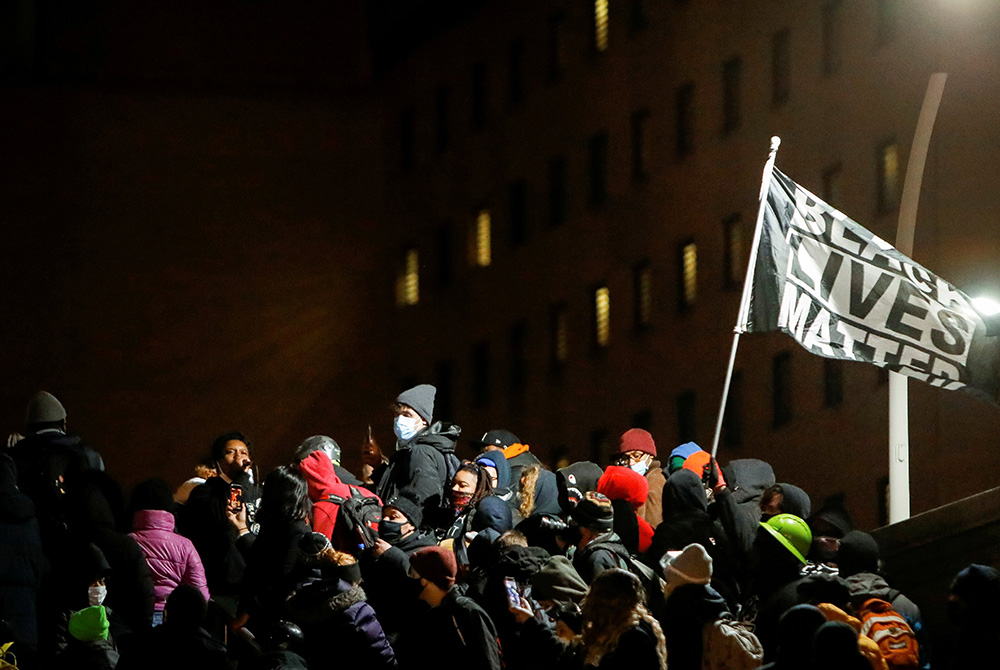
324 482
621 483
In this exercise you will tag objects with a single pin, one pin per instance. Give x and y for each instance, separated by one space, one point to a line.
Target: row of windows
686 403
734 259
732 73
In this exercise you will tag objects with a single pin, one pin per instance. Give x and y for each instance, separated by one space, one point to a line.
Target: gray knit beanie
421 399
44 408
692 565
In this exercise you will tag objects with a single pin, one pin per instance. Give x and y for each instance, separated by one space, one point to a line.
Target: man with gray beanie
45 458
425 459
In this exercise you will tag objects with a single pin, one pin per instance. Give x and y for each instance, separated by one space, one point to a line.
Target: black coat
388 584
23 564
603 553
338 623
425 464
682 618
458 629
636 649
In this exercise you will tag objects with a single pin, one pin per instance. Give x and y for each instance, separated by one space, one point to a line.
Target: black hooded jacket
425 464
683 616
22 570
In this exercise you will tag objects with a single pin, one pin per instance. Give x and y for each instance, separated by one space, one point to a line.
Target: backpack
894 637
651 582
358 518
728 644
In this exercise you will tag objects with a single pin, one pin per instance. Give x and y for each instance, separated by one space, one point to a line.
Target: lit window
601 25
888 176
734 253
560 335
602 316
481 238
408 283
643 279
781 66
689 275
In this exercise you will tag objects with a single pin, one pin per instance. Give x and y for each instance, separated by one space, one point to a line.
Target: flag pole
740 328
899 419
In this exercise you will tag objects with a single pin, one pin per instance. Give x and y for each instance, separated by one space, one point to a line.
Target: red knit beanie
435 564
637 439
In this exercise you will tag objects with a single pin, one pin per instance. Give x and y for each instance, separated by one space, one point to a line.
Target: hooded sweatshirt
739 502
323 482
621 483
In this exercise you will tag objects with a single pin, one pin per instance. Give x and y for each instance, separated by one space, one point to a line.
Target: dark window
445 374
557 46
781 66
638 20
558 191
640 148
732 419
643 419
406 139
481 374
831 37
833 186
642 282
781 381
518 212
887 19
731 98
559 331
734 252
479 95
833 382
445 254
686 424
887 158
516 92
597 150
685 119
518 357
687 275
443 124
599 445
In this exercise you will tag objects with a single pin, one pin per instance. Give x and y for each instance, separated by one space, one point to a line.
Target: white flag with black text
843 293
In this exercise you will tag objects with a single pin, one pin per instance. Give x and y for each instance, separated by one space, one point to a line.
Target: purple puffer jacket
172 558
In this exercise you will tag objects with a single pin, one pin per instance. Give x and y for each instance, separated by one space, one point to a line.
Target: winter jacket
130 596
604 552
23 563
42 460
387 581
172 559
866 585
739 501
273 569
321 476
621 483
686 611
458 628
425 464
636 649
329 610
652 509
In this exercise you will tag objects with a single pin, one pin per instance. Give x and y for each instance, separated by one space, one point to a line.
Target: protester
172 558
628 490
425 460
327 491
637 451
599 547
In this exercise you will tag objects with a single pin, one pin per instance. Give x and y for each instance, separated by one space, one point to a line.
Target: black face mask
390 531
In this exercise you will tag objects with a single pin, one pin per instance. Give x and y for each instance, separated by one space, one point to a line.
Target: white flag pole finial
747 289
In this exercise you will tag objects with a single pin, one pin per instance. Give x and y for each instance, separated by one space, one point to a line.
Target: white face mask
641 467
96 594
405 427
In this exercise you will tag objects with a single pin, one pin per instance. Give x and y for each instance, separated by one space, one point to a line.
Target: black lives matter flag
843 293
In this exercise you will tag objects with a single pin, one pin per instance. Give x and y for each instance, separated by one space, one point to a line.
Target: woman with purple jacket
172 558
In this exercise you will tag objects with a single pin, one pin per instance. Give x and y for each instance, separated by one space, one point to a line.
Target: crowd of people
424 557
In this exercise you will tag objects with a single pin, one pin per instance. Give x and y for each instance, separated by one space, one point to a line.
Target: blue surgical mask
641 467
405 427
